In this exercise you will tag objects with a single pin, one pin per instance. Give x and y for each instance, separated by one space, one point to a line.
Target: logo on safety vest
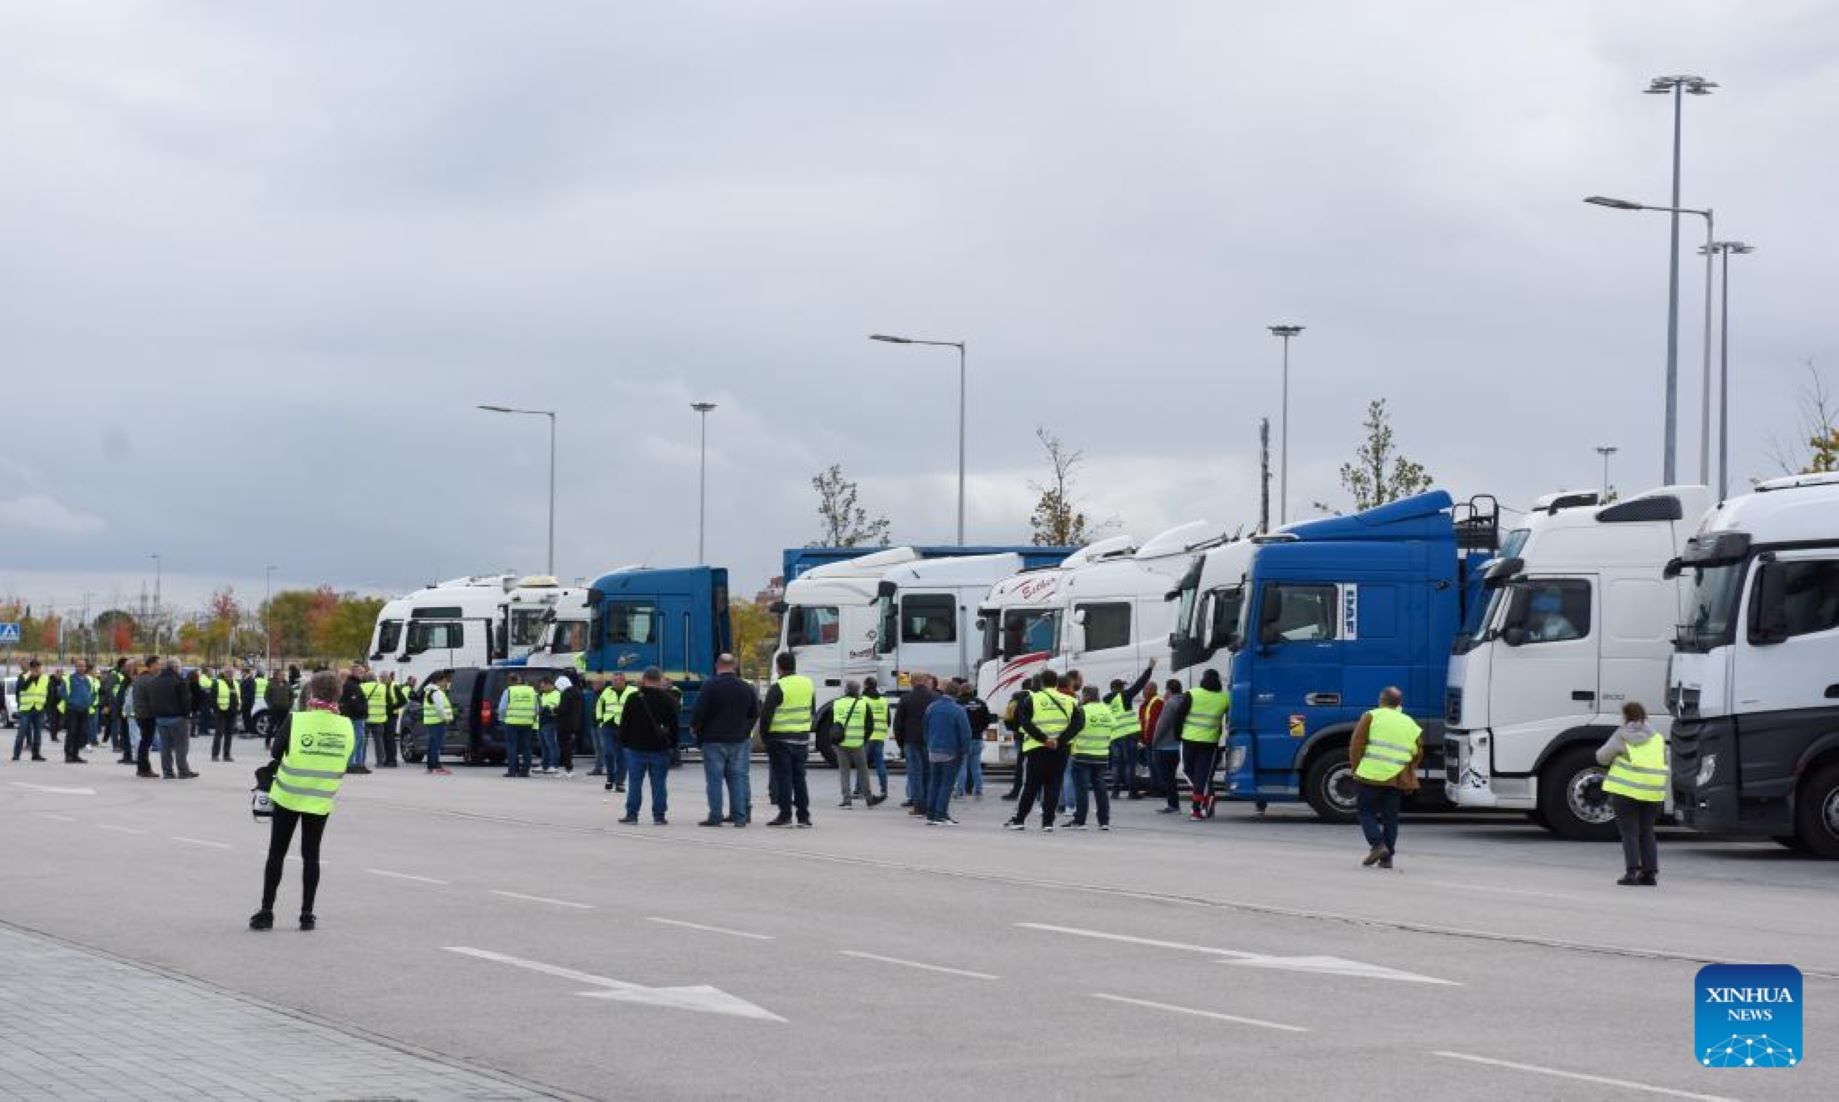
306 742
1748 1016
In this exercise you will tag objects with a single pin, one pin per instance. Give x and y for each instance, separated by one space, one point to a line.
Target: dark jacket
169 696
143 700
280 698
568 712
910 720
351 702
649 723
725 710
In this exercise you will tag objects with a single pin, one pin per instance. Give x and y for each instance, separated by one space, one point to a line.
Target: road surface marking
119 829
709 1000
1490 889
200 842
55 818
1320 965
407 876
710 929
54 789
917 964
543 899
1259 1022
1623 1083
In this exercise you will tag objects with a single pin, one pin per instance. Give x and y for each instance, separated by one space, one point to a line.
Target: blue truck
675 619
1334 610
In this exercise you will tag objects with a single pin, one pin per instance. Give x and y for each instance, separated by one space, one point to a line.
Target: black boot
262 920
1648 878
1630 879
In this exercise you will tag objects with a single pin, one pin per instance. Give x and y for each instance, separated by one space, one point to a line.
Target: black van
475 737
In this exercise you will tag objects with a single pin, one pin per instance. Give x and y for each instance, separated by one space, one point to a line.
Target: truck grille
1452 707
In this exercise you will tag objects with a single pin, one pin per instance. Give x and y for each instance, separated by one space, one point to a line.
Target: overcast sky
258 262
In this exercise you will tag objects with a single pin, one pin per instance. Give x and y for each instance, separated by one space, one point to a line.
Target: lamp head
1285 330
888 339
1614 204
702 407
495 409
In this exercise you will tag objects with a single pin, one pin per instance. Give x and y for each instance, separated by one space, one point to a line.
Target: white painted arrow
1320 965
54 789
701 997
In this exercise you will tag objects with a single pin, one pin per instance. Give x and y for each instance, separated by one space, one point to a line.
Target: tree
1379 473
348 628
1818 452
288 614
1057 521
116 629
845 522
756 636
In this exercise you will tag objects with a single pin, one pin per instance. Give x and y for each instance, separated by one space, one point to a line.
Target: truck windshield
1228 610
527 626
1711 607
389 636
1184 612
1510 546
568 636
991 623
887 623
1475 628
1030 631
811 625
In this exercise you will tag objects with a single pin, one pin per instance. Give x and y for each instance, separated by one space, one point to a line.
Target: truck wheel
1561 798
1816 813
1329 786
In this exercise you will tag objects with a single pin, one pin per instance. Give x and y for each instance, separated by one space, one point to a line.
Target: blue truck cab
675 619
1334 611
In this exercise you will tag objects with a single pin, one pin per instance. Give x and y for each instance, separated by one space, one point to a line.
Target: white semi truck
1578 622
476 621
1755 677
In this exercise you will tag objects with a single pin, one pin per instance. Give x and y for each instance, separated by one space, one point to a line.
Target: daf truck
1754 685
1578 622
675 619
475 621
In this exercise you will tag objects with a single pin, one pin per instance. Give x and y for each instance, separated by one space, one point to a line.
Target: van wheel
261 728
412 753
1816 813
1329 786
1562 784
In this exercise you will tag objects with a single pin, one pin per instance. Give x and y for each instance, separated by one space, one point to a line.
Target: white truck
1579 621
477 621
1209 612
1754 683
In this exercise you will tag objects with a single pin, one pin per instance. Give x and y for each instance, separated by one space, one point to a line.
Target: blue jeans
878 761
546 733
915 758
436 734
358 742
1124 753
787 761
1088 782
724 767
1067 782
92 726
1377 806
517 749
940 779
969 778
31 733
656 765
612 757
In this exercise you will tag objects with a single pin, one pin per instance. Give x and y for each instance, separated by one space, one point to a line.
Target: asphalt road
512 925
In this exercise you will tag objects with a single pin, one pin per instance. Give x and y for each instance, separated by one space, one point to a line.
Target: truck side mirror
1514 636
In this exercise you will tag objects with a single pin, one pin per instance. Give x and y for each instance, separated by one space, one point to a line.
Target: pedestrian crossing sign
9 635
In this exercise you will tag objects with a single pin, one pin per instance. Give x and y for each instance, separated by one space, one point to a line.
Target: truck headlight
1235 760
1708 768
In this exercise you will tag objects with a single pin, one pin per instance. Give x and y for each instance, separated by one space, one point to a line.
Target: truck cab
675 619
473 621
1210 612
1335 611
1754 685
1578 622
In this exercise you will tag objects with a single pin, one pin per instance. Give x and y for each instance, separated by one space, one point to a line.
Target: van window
389 636
1794 598
631 621
929 618
427 635
1298 613
1551 610
1107 625
811 625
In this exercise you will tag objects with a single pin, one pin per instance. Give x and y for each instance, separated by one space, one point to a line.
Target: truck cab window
1552 611
631 622
389 636
1794 598
1106 625
929 618
1226 607
1298 613
569 636
527 626
1031 631
427 635
811 625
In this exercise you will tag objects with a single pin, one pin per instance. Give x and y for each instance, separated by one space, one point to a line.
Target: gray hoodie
1629 734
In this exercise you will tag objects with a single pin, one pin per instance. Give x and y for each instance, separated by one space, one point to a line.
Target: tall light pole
551 414
1725 249
959 345
1283 448
702 482
1678 87
268 618
1606 450
1669 466
158 616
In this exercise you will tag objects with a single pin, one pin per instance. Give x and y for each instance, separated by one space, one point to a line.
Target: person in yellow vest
1049 720
32 689
1636 755
548 703
436 713
1387 746
1127 731
1091 757
785 726
853 721
310 758
609 711
78 704
877 735
376 713
1202 712
226 703
518 709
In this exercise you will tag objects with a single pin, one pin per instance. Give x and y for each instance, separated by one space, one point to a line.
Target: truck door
1299 674
630 634
1545 673
1786 678
437 644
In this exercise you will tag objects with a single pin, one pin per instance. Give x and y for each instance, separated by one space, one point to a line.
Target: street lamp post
1283 433
1725 249
1606 450
1678 87
551 414
268 615
959 345
158 616
702 482
1669 466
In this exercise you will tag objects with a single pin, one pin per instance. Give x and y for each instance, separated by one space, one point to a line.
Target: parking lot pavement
510 924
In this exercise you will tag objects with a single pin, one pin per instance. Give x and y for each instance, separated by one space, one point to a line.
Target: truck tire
1561 786
1816 812
1329 786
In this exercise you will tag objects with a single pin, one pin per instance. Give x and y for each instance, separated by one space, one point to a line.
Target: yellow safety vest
610 709
435 707
551 701
226 695
318 749
32 697
1093 742
1207 711
794 713
1640 772
1053 711
1124 719
520 706
878 708
376 701
852 713
1391 742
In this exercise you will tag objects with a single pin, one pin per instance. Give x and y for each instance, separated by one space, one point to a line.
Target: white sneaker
1013 825
568 772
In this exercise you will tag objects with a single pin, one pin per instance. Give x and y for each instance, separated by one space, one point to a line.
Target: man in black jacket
169 698
648 731
910 732
722 724
353 706
139 694
568 722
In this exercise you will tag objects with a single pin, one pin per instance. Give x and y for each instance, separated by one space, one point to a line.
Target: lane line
119 829
1581 1077
544 899
52 788
1259 1022
709 929
200 842
1489 889
918 964
408 876
55 818
1151 942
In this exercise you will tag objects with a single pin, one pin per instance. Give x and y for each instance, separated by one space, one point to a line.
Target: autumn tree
756 637
845 522
1379 473
1816 450
1057 521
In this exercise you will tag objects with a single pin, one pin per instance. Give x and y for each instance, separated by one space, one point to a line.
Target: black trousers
1198 761
565 747
223 733
386 741
280 838
1044 769
75 723
1635 821
146 743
